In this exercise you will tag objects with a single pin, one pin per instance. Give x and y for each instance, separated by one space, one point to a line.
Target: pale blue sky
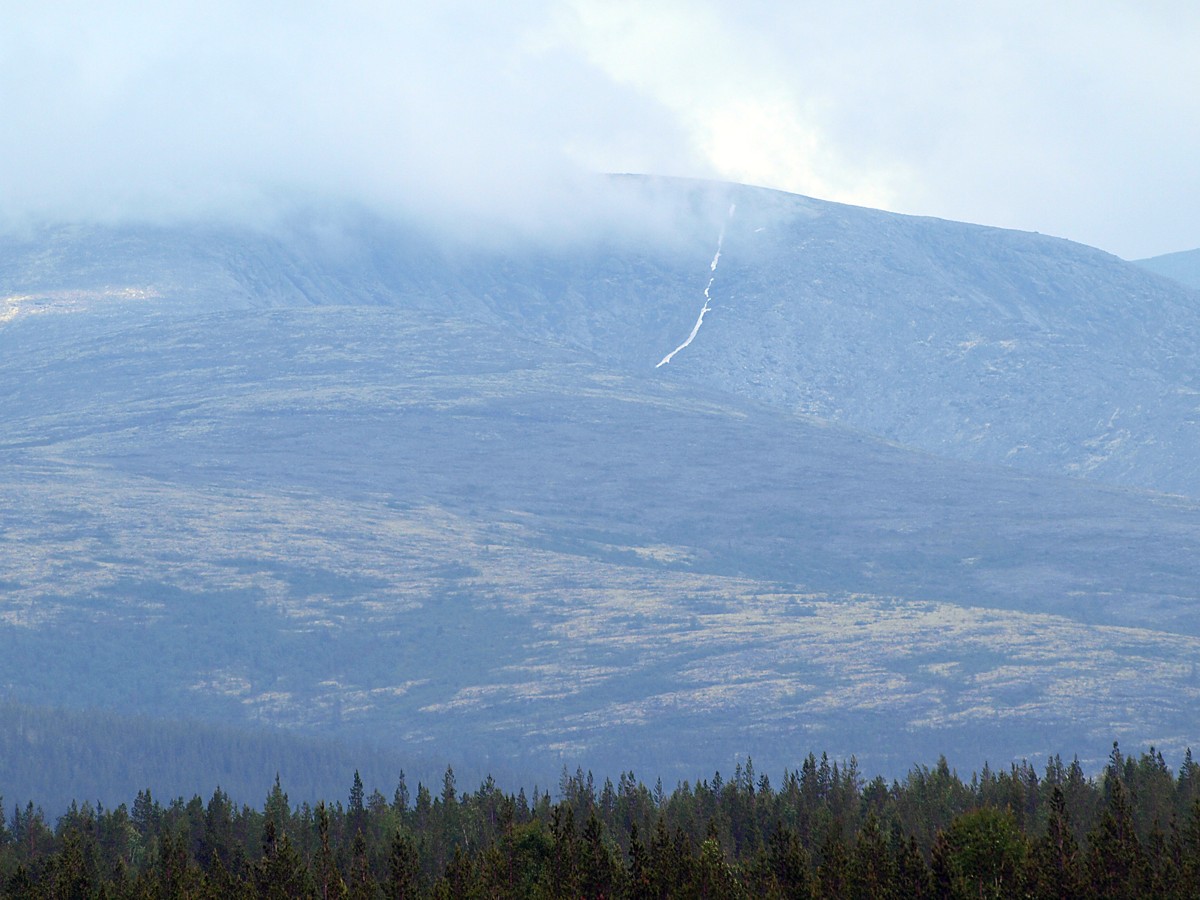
1070 118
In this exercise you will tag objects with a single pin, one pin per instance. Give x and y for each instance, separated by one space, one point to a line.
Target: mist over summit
355 476
974 342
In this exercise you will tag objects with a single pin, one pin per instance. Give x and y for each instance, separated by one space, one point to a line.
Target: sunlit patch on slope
69 301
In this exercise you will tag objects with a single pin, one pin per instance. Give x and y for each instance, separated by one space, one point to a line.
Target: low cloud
1073 120
459 112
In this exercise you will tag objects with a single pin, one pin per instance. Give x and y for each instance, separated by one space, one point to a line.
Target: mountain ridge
1183 266
445 500
961 340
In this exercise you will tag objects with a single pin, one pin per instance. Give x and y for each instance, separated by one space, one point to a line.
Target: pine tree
871 867
73 874
404 868
280 873
598 873
664 868
986 853
423 809
458 874
1189 855
362 882
941 867
1163 863
712 876
1115 859
20 886
1187 786
177 875
329 884
276 808
565 853
833 871
146 815
219 883
356 811
639 866
1056 864
216 840
400 797
913 878
788 862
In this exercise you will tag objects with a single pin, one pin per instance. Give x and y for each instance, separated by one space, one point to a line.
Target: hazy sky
1080 119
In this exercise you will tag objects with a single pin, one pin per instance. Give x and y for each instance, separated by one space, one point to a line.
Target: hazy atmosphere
795 405
1078 120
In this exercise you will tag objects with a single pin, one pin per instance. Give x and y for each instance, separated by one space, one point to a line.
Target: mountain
1183 267
358 480
964 341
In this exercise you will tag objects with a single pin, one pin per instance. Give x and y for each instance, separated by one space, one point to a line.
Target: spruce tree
362 882
329 883
598 874
356 811
788 862
871 869
1189 869
639 866
1115 859
1057 872
280 874
565 853
833 871
404 868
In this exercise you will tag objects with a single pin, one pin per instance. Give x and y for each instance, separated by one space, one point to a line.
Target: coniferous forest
824 830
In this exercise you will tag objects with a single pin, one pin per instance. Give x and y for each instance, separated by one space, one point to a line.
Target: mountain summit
970 342
906 487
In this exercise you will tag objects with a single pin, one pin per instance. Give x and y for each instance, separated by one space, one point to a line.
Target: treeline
58 755
824 831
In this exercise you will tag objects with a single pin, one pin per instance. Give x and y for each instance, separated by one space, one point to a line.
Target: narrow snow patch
712 267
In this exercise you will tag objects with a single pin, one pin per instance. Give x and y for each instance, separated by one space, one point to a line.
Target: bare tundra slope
397 488
1183 267
969 342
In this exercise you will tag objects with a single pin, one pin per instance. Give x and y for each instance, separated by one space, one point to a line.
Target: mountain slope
1184 267
968 342
449 537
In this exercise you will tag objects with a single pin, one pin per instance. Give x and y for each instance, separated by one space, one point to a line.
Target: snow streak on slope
712 267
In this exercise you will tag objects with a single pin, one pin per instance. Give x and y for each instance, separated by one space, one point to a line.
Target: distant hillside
360 481
1184 267
429 533
969 342
54 756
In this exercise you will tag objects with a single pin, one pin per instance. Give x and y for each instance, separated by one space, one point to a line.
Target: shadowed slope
969 342
439 533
